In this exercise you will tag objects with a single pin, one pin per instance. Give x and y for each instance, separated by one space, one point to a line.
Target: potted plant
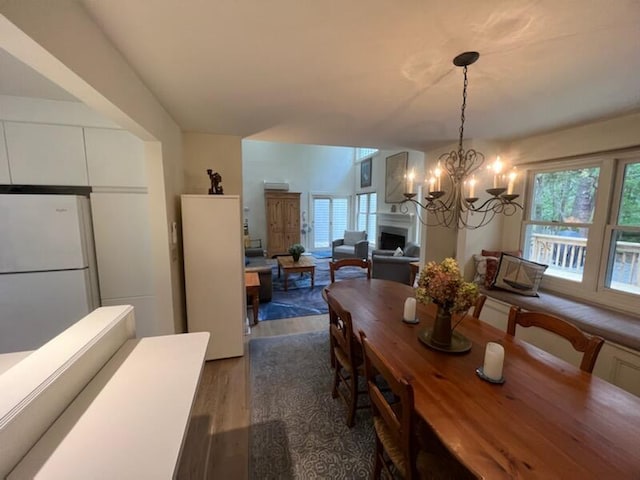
296 250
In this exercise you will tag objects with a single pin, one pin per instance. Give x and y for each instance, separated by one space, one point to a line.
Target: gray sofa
256 262
353 245
384 265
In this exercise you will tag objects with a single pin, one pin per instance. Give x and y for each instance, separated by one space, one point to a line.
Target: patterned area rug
297 430
300 300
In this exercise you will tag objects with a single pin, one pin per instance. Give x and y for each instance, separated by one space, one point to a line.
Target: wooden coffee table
305 264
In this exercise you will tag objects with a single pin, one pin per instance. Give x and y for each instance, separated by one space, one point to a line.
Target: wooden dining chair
394 423
346 357
589 345
363 263
477 307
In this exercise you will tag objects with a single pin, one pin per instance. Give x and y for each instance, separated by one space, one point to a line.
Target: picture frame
365 173
396 170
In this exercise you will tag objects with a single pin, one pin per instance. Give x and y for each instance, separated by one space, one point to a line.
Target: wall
60 41
220 153
309 169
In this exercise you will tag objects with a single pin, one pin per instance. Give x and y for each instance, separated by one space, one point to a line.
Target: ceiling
379 73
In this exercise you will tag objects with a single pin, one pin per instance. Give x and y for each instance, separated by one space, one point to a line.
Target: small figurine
216 183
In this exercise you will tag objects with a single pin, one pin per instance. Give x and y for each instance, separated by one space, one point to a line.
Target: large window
361 153
366 215
583 221
330 219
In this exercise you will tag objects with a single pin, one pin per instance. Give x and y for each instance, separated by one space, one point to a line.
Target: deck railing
568 254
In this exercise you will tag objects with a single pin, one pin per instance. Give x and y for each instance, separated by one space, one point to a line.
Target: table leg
286 276
256 303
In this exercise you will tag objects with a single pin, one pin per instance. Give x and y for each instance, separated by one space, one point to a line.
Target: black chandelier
458 208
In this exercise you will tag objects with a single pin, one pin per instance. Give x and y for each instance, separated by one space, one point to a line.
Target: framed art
365 173
395 177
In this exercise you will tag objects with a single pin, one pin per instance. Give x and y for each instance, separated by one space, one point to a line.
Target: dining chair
347 359
589 345
477 307
395 423
336 265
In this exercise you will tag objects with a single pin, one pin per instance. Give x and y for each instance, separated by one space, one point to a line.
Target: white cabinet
46 154
123 252
214 271
115 158
5 178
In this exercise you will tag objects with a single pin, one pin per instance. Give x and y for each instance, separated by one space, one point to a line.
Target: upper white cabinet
115 158
46 154
5 178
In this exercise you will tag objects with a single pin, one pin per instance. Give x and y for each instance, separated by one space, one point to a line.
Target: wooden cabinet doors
283 221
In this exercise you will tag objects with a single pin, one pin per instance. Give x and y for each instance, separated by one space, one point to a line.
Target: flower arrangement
296 250
442 284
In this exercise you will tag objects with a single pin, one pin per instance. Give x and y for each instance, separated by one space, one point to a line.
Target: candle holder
496 191
509 197
481 374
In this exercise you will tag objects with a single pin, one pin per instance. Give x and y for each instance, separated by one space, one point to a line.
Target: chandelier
460 207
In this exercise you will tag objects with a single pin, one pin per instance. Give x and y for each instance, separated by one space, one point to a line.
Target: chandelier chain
464 105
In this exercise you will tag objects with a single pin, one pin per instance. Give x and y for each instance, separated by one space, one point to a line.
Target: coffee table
305 264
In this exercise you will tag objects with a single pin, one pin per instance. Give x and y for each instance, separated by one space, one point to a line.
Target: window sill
614 326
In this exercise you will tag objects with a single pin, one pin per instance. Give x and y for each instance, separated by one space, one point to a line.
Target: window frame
368 213
599 239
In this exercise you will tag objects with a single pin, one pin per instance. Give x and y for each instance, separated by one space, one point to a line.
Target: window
561 214
366 215
623 230
583 220
361 153
330 219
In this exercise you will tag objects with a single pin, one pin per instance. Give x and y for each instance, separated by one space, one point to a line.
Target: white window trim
592 288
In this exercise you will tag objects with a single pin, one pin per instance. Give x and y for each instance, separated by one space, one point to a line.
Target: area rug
300 300
322 254
297 429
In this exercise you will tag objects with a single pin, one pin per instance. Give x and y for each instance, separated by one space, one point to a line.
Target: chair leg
377 466
353 400
336 379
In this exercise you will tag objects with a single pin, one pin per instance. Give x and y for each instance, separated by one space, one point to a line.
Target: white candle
512 178
412 175
438 172
493 360
497 168
472 187
432 184
409 309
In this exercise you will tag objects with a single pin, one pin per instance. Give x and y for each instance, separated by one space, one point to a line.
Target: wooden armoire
283 221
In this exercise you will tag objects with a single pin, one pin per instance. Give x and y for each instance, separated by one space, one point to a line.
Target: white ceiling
378 72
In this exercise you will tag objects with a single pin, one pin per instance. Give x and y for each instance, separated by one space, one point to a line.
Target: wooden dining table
548 420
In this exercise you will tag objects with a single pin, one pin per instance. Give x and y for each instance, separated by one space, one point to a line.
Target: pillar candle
409 309
493 360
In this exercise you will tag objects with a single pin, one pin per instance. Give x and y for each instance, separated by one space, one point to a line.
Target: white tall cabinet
214 271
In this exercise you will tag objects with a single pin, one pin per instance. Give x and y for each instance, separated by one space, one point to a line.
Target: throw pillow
480 263
411 250
492 266
398 252
519 275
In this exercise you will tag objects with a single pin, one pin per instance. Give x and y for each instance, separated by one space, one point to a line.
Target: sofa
354 244
386 266
256 262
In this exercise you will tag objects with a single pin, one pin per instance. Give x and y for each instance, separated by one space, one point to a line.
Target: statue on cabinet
216 183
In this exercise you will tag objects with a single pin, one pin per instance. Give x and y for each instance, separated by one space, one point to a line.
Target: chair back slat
349 262
589 345
341 326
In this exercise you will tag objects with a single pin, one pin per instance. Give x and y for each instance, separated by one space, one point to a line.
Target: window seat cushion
614 326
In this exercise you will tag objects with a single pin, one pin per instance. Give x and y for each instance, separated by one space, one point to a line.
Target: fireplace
391 241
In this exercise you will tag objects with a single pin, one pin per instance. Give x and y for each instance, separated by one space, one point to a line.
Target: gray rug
297 430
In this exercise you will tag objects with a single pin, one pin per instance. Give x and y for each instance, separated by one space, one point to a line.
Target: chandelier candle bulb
493 361
497 168
409 310
512 178
472 187
410 177
438 172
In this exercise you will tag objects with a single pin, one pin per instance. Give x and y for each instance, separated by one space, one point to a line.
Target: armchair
386 266
353 245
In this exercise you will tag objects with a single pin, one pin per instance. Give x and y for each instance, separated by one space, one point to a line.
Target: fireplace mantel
397 221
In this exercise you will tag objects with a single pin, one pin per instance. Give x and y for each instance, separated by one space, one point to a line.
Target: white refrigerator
48 277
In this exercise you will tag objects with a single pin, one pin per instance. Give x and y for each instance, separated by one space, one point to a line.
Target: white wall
309 169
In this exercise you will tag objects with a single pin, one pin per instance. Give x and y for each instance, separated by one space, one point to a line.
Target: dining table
548 420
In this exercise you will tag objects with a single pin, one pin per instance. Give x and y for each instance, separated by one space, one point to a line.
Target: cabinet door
115 158
292 215
5 179
275 215
46 154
